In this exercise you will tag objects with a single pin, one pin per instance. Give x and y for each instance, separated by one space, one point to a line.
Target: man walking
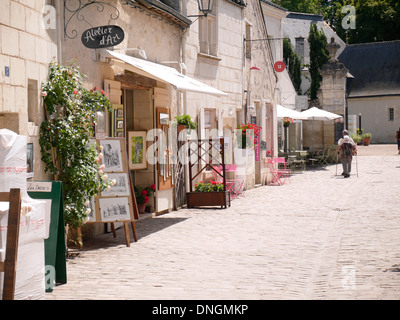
346 148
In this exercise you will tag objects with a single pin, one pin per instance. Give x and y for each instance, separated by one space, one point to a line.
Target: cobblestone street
318 237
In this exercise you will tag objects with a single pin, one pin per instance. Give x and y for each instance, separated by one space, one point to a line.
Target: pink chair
233 185
279 175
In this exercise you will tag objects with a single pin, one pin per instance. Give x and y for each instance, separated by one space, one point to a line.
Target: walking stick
337 156
357 163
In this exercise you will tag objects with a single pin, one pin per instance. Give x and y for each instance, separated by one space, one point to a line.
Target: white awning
162 73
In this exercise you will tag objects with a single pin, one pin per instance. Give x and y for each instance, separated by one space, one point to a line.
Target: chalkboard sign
102 37
51 193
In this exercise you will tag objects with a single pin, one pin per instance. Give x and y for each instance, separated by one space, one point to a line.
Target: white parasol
319 114
282 112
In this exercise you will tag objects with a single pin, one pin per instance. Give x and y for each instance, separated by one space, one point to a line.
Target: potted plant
208 194
287 122
247 134
142 195
184 121
356 138
366 137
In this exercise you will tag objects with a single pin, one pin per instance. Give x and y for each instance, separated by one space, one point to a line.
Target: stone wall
28 44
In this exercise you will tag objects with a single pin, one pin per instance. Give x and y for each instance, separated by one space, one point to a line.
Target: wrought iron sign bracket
76 9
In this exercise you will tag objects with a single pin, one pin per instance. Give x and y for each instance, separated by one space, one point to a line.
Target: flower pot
181 127
142 208
366 141
208 199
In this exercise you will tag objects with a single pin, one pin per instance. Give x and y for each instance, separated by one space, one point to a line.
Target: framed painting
121 187
137 150
117 120
112 158
114 209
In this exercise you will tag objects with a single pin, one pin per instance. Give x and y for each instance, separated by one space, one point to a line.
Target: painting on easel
112 159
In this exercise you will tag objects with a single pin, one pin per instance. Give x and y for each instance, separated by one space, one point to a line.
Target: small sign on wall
102 37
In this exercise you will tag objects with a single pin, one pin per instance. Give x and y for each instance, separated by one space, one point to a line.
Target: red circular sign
279 66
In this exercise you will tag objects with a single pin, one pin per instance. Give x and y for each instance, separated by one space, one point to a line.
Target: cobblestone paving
318 237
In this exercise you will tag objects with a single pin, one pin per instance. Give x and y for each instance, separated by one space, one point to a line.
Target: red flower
75 92
146 199
144 192
153 186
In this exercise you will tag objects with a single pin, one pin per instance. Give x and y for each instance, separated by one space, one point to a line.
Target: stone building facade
239 80
28 43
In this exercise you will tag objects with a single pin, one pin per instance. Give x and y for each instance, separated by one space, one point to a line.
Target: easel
9 266
130 197
126 223
126 230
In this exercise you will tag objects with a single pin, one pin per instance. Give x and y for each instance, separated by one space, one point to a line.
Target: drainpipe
59 29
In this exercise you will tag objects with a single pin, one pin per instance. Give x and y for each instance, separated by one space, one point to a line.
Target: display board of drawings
117 203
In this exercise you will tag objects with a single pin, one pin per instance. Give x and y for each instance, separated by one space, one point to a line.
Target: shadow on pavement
149 226
144 228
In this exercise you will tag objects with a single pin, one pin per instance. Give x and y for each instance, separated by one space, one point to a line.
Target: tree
318 57
306 6
293 64
376 20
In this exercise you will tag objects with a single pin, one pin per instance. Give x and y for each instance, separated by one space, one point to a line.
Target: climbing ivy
64 139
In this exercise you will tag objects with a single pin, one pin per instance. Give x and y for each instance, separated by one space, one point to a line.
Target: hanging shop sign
102 37
279 66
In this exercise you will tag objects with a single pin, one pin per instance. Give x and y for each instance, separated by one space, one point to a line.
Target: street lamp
205 6
349 80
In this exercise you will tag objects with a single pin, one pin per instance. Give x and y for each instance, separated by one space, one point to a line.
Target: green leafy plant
293 62
367 135
186 120
356 138
142 194
212 186
64 139
318 57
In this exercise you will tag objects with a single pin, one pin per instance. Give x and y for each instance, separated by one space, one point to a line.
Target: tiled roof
375 67
272 4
